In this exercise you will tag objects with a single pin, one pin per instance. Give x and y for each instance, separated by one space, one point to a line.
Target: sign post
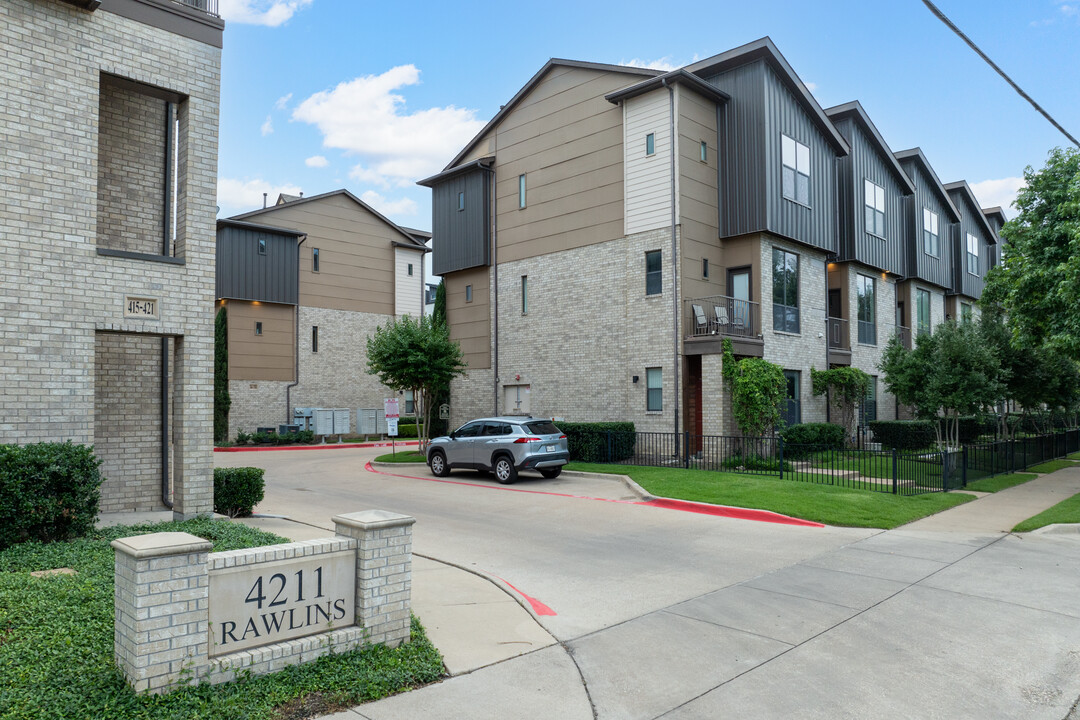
390 409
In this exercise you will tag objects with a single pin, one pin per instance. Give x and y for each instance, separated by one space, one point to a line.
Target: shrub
48 491
599 441
802 440
242 438
301 437
263 437
237 490
407 431
972 428
754 462
904 434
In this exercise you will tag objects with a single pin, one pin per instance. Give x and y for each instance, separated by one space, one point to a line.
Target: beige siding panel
470 323
408 289
269 356
648 177
484 148
698 180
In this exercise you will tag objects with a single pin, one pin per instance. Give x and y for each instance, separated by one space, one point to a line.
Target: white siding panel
648 177
408 290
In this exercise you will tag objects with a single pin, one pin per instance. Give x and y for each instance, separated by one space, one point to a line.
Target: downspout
296 339
495 280
674 255
165 424
167 232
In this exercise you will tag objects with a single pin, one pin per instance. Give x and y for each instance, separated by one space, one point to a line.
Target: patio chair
722 320
701 323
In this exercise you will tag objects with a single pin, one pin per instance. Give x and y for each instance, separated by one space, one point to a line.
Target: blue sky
323 94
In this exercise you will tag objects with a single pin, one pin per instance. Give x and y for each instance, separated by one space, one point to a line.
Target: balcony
707 320
905 336
210 7
839 341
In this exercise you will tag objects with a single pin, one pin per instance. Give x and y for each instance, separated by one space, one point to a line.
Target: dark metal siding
926 267
244 274
462 237
866 163
741 141
966 283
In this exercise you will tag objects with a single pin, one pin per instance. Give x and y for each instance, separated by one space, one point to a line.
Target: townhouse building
109 124
973 245
611 226
305 282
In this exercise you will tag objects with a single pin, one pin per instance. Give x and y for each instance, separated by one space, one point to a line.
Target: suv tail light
562 437
522 440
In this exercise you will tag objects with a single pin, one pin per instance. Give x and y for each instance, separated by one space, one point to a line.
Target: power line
941 16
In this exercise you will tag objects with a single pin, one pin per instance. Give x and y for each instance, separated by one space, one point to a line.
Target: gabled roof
995 213
410 241
764 49
230 222
484 163
960 187
855 111
915 155
283 198
675 77
533 81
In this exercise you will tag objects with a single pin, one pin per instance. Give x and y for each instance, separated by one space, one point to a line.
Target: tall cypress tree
222 401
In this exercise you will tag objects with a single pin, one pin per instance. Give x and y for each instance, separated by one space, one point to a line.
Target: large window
874 200
654 389
867 310
785 291
972 254
922 312
930 238
796 170
654 283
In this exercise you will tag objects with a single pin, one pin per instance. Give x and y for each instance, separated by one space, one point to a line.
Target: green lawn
1074 456
827 504
1051 465
1066 511
56 646
403 456
908 467
999 482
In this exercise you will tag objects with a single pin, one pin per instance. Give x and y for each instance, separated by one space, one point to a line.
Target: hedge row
600 441
237 490
48 491
802 440
904 434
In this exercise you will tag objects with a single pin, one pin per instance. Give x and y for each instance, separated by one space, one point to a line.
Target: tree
949 374
758 387
438 312
1038 281
845 386
222 401
439 398
415 355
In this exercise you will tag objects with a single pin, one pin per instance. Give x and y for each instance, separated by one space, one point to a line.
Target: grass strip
999 482
403 456
829 504
56 646
1051 466
1066 511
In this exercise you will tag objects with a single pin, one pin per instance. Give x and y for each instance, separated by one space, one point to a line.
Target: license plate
549 448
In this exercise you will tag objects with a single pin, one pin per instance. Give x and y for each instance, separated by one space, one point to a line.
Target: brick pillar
713 395
161 613
383 572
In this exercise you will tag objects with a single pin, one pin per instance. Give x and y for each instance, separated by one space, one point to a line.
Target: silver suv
502 445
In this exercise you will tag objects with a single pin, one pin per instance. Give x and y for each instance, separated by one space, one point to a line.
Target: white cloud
316 161
260 12
366 117
663 63
402 206
1001 192
236 196
811 86
283 101
267 126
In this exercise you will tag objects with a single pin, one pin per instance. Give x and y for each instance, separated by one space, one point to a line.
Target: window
791 410
258 328
654 284
704 151
654 389
796 170
315 259
314 338
468 293
867 310
262 246
874 200
410 402
965 312
524 294
461 200
931 242
785 291
922 312
469 430
521 190
410 269
705 268
650 144
869 403
972 254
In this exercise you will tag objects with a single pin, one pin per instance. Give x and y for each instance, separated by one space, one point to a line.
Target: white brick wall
868 357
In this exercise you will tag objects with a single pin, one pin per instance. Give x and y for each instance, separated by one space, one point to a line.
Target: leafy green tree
846 388
415 355
948 374
438 312
441 396
222 401
758 388
1038 282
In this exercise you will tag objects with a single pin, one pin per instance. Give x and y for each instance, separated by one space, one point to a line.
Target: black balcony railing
839 337
721 315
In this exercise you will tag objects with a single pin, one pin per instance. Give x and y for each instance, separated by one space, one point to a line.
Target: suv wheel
437 461
551 473
505 472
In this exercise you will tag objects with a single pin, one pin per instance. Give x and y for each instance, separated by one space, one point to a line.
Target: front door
738 283
835 309
900 314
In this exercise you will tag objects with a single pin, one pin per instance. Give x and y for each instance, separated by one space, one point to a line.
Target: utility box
303 418
370 421
342 421
330 421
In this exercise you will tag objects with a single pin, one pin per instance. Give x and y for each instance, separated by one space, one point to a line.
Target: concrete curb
624 479
333 446
497 582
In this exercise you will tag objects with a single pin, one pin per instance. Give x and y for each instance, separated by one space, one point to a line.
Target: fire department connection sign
270 602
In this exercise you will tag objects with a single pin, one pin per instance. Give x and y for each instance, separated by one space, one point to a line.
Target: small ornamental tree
758 388
846 387
222 401
415 355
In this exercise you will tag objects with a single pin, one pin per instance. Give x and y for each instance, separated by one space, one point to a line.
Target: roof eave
916 154
679 76
962 186
483 163
855 110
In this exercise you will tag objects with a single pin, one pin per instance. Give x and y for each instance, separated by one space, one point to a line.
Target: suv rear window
543 428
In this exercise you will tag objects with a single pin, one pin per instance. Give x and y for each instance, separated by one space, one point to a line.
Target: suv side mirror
453 435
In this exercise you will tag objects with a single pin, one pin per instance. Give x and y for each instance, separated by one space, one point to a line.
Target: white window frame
794 157
874 202
930 230
972 242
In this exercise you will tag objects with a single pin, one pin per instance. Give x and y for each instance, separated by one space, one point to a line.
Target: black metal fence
888 471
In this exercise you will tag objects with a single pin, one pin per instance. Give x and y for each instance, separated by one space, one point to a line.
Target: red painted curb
336 446
538 607
730 512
